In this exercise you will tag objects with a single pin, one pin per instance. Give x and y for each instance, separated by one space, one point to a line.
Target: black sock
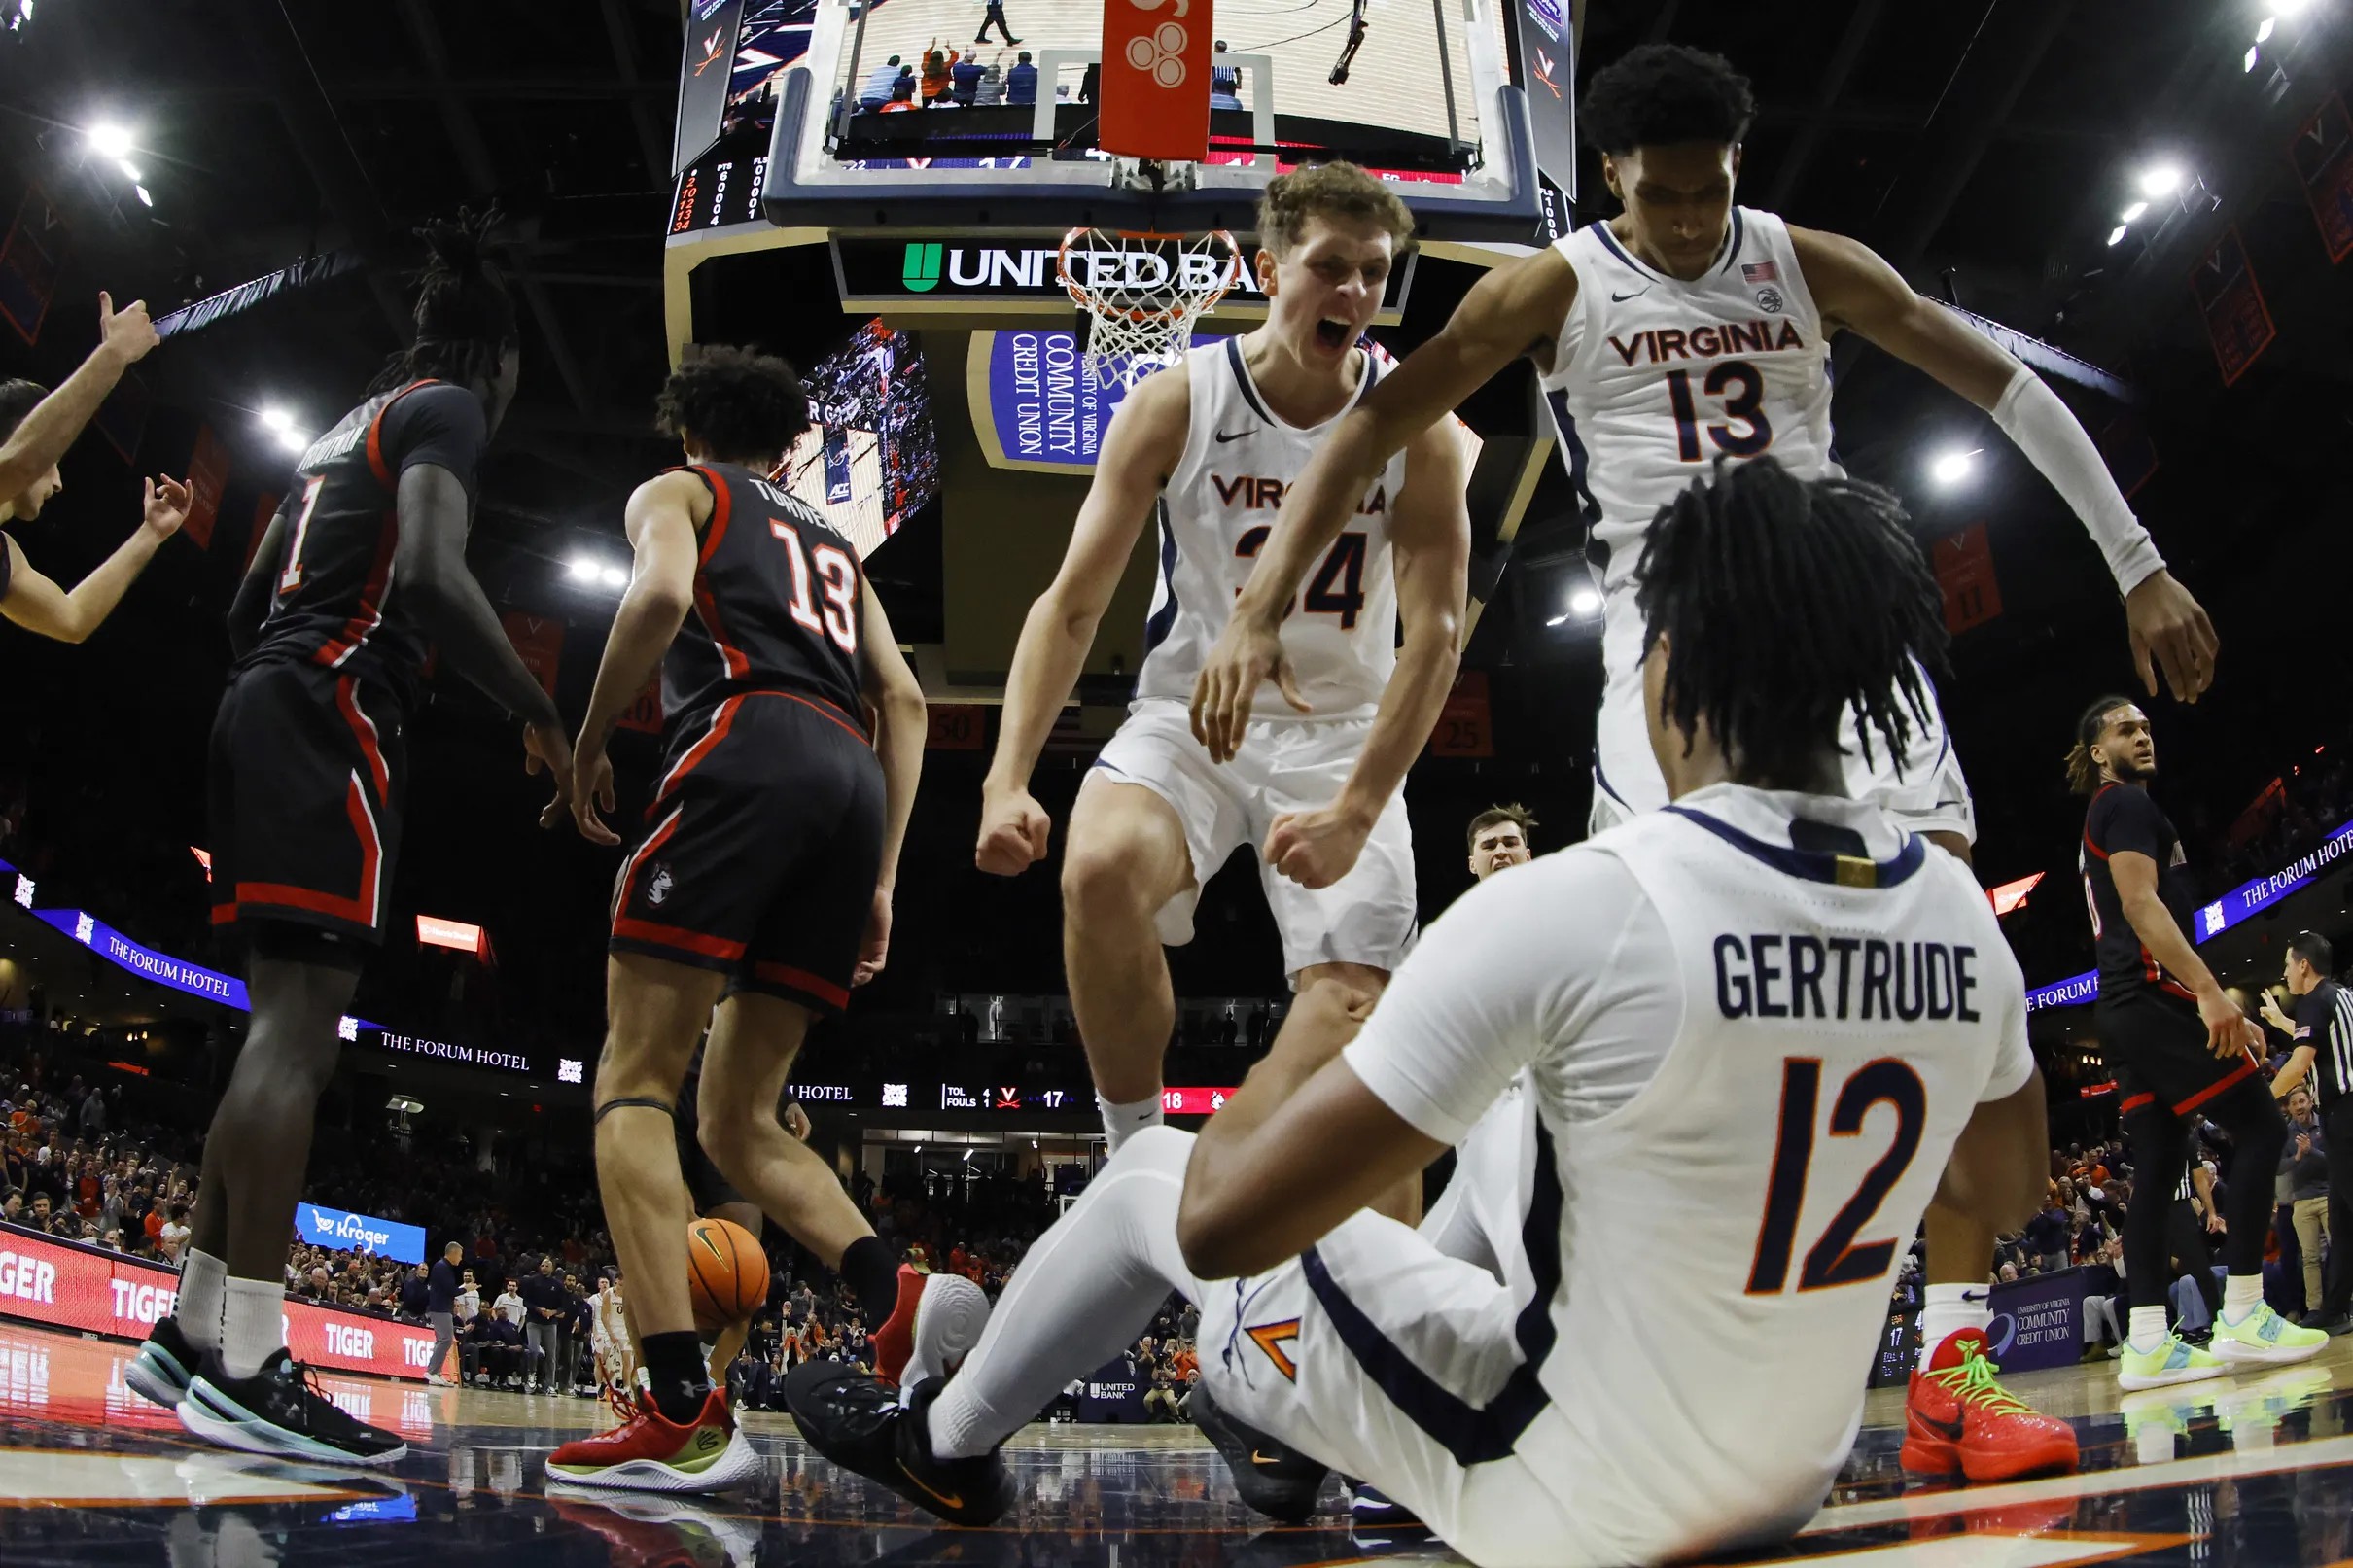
674 1366
873 1273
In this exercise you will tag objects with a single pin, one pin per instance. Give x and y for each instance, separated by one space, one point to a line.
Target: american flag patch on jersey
1760 273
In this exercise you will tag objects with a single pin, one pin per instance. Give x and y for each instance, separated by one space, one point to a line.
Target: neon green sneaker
2175 1361
2264 1339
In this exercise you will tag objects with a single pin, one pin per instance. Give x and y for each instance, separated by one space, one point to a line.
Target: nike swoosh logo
1621 298
1258 1458
943 1499
1224 436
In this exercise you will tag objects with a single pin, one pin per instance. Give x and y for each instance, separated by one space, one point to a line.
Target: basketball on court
727 1274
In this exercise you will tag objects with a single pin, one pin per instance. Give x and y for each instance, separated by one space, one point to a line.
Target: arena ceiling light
1951 468
2116 235
2161 180
1585 600
275 418
294 440
109 138
2263 33
2133 214
613 576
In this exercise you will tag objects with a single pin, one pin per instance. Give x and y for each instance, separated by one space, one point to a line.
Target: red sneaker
1957 1417
895 1342
651 1453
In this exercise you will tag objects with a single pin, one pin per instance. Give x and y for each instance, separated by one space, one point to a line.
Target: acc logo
1769 300
1160 53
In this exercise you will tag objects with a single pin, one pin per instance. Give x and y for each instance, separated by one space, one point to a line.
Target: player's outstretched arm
1429 544
39 604
429 564
2230 1031
1856 289
661 519
250 607
1515 310
900 731
41 439
1140 451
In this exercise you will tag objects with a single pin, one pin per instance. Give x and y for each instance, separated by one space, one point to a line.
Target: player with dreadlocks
360 570
1711 1002
2181 1050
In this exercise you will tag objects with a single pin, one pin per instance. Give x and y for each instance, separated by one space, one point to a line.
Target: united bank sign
947 274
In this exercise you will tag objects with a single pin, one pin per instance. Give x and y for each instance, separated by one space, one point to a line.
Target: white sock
198 1311
1121 1123
2241 1294
2147 1330
1057 1321
1945 1310
252 1324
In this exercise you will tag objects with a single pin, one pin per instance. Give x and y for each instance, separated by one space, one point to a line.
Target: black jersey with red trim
2123 817
779 603
333 602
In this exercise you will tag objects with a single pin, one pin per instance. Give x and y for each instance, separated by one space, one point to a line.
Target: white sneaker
948 1324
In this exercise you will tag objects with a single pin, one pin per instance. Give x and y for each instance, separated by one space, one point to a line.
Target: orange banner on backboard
1154 98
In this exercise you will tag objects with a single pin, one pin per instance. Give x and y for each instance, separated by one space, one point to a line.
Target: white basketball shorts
1928 794
1367 916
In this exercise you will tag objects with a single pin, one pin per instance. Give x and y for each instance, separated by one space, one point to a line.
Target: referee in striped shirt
2322 1048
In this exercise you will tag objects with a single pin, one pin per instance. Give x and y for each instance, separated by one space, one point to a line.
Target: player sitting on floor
1711 1002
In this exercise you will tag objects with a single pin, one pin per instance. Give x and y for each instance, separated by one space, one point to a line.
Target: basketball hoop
1143 292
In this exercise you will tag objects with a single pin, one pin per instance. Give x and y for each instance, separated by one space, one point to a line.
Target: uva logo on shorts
658 888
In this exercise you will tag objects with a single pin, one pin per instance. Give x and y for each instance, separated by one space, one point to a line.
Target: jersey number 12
1837 1258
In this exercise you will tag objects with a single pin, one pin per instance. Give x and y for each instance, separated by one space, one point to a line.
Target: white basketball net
1144 292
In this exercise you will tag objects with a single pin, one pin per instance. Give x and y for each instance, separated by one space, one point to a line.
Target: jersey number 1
1837 1258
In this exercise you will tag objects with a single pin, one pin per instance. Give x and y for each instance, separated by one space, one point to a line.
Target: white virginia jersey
1653 379
1215 514
1754 1024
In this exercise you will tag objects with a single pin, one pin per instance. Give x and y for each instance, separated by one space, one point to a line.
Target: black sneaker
855 1419
164 1365
280 1410
1278 1481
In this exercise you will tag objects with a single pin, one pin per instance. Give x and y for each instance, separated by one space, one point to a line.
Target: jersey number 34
1837 1258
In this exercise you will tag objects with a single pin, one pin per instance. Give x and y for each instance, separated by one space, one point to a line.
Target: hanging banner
2239 323
1542 45
645 716
122 417
837 465
955 726
539 642
2323 163
28 264
703 76
2130 455
1154 98
1465 728
207 479
1964 570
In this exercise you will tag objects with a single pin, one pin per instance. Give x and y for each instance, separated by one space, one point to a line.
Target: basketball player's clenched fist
1315 849
1014 831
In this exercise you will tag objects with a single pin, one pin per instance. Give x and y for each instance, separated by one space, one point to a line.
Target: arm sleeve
1514 971
2031 415
440 425
2126 818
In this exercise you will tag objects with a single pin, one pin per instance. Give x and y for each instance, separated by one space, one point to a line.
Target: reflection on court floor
2252 1472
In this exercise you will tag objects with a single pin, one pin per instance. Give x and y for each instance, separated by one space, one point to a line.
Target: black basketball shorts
2157 1045
304 779
761 848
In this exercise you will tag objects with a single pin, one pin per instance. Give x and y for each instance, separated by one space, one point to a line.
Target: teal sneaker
2264 1339
2173 1362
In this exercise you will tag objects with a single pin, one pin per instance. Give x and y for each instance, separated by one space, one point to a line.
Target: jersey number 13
1742 386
